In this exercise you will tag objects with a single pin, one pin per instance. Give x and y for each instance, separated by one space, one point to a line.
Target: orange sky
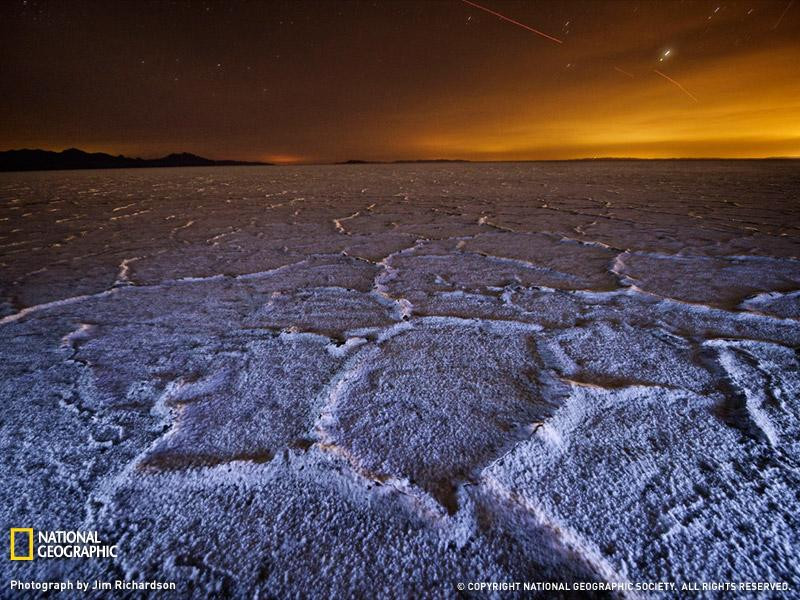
318 82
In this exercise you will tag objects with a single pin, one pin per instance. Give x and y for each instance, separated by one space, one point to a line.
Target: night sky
328 81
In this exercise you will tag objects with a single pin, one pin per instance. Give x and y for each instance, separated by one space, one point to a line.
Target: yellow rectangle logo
14 532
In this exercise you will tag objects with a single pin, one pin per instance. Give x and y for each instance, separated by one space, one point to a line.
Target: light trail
517 23
676 84
624 72
783 14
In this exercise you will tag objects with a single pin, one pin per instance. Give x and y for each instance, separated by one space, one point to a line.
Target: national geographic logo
57 544
26 532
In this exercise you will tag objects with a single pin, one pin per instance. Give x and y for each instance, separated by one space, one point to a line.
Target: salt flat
383 380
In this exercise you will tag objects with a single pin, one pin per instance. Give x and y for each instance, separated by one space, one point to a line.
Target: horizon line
356 162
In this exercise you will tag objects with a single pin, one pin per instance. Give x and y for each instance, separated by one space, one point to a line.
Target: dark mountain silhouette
45 160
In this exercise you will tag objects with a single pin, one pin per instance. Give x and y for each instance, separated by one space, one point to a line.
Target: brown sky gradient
327 81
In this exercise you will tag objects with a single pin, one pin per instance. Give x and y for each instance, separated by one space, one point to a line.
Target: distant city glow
321 82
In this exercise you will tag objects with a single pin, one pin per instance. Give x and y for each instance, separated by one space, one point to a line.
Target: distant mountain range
45 160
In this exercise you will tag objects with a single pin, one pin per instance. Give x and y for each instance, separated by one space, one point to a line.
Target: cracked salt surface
384 380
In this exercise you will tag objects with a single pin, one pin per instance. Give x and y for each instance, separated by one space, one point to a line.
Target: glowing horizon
320 83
